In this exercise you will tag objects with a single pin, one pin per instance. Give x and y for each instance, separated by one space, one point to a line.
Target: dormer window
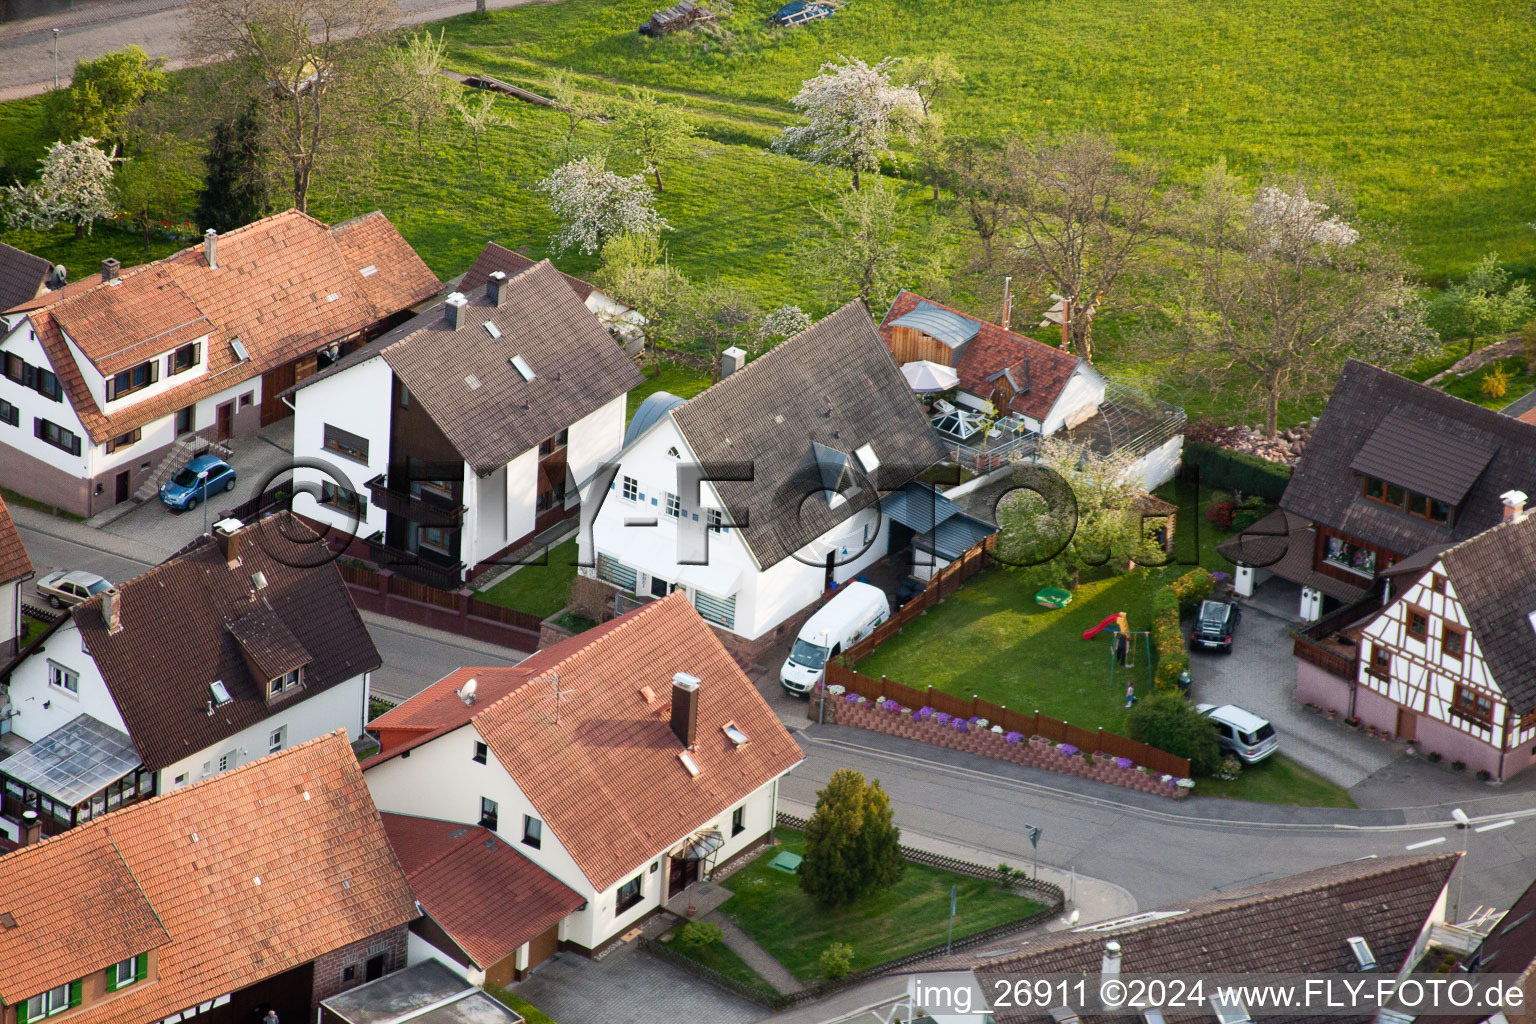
133 379
284 683
184 359
1404 500
121 975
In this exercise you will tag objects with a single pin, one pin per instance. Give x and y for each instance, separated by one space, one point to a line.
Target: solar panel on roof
493 330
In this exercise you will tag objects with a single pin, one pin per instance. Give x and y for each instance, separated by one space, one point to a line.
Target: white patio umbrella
924 375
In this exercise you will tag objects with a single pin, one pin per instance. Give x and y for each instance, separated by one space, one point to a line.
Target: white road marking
1498 824
1428 842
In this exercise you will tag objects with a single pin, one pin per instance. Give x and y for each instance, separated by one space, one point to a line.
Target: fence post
463 594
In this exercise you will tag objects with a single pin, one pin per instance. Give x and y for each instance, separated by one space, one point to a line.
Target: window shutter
74 444
28 375
141 966
21 1012
112 978
74 992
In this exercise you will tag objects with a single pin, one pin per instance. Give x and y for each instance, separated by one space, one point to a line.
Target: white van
846 619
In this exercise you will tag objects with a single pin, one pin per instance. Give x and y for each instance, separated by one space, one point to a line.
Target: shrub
1168 643
1192 588
696 935
1433 757
1220 514
1246 517
1169 722
1483 775
836 960
852 845
1217 467
1459 765
1495 383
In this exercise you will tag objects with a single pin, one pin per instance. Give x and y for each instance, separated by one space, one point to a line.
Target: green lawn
1195 538
682 381
1277 780
719 957
531 1014
910 916
1469 386
31 629
990 639
538 589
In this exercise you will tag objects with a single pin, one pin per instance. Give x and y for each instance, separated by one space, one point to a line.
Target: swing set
1123 643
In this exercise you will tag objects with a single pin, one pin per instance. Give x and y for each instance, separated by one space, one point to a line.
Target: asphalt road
1159 855
414 657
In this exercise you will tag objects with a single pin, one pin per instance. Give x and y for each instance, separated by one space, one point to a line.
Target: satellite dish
1073 917
467 691
59 275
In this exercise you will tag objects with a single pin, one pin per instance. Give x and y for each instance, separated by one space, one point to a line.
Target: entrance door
1407 724
226 418
375 967
831 569
120 488
683 874
274 382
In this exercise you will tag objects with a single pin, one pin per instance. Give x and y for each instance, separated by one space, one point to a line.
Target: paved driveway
1260 675
629 987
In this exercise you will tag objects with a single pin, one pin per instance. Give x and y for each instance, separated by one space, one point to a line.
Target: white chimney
112 609
1110 968
211 248
453 310
1514 504
731 360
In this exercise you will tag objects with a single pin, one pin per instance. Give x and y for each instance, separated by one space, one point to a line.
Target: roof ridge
982 320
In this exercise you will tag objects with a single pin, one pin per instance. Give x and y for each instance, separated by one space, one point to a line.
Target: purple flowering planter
1067 750
923 713
1124 762
942 717
1013 737
960 725
890 705
852 698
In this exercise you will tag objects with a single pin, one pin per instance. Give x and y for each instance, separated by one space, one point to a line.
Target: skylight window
1531 618
472 381
521 366
867 458
333 297
493 330
734 734
241 353
220 692
689 763
369 270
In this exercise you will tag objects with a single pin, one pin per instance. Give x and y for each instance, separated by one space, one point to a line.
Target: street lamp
202 482
55 58
1462 822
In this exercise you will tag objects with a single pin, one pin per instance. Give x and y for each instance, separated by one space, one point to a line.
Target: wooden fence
944 583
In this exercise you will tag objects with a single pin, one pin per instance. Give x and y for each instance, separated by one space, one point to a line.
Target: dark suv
1215 625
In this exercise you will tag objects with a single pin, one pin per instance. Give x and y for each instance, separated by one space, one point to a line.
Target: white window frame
674 506
133 972
277 739
284 682
229 759
630 489
40 1006
60 676
533 832
714 519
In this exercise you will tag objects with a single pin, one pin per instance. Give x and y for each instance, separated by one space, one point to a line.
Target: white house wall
1084 389
1160 465
521 500
42 708
10 612
593 440
357 400
343 706
96 383
30 405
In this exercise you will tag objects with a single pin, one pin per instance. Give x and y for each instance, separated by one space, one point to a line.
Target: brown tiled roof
1292 925
834 384
285 286
175 639
14 562
604 773
22 275
1326 489
268 642
1285 544
993 351
487 896
301 821
1491 574
76 908
499 257
466 382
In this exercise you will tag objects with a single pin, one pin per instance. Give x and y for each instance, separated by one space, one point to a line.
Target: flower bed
956 733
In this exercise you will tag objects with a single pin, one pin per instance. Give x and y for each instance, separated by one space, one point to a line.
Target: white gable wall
30 404
594 439
1084 390
10 613
357 400
42 708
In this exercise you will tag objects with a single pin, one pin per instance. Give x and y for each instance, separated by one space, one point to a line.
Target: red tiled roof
14 562
284 286
301 821
604 773
994 350
487 896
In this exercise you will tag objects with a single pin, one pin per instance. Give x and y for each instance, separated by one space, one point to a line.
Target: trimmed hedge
1235 471
1177 597
1191 588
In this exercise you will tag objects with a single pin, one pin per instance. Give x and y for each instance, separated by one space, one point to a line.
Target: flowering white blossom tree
75 187
784 322
1280 289
596 204
848 113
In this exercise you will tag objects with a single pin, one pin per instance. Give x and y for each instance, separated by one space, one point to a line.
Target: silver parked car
1241 733
66 587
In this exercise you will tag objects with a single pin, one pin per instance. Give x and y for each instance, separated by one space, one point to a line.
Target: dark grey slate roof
498 257
1325 487
949 327
834 384
465 381
919 506
955 536
22 275
1493 579
1416 455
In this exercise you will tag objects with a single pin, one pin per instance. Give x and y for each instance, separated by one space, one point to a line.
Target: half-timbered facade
1447 660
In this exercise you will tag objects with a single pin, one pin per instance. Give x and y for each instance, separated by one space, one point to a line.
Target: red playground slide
1089 634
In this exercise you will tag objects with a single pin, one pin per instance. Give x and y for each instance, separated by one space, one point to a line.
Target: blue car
185 489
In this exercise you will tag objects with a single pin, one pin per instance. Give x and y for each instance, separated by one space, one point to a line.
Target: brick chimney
112 609
109 270
227 533
495 287
31 828
453 310
685 708
1514 504
211 248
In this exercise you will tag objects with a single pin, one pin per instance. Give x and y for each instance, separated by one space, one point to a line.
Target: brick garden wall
1037 752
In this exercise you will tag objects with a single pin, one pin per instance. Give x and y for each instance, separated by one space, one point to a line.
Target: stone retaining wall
1037 753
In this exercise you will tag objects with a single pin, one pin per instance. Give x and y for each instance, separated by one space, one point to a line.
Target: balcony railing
412 565
426 508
